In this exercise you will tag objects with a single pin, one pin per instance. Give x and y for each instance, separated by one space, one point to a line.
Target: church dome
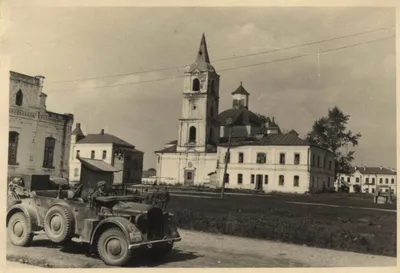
240 116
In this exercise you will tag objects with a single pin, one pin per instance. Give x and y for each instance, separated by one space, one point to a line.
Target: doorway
259 182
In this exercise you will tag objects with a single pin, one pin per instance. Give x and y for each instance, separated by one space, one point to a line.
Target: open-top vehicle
112 225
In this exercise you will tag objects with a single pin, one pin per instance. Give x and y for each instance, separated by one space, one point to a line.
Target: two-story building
105 149
38 141
370 180
276 162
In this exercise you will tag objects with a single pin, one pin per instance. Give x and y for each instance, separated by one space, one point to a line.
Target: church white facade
261 157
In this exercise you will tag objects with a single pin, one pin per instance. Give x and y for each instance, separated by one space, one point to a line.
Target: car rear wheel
160 251
19 230
57 224
113 247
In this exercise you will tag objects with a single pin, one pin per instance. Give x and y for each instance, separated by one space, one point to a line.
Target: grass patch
364 231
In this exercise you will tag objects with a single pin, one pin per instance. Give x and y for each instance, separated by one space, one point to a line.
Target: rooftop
374 170
97 165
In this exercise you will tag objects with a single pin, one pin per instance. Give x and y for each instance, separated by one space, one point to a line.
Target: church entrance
259 182
189 177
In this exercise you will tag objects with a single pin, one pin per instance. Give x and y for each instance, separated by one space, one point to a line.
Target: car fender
124 224
29 213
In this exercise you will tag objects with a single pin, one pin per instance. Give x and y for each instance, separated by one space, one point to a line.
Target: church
261 157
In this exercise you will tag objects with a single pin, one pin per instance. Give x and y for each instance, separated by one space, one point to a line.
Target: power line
237 67
226 59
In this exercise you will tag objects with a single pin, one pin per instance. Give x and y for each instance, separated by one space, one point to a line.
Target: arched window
13 138
192 134
49 145
19 98
92 154
104 154
212 86
76 172
196 85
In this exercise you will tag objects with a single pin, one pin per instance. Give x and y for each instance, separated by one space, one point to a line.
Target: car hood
131 207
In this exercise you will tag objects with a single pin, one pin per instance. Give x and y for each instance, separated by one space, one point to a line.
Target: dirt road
199 249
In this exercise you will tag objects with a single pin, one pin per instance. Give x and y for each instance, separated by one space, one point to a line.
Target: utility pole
227 156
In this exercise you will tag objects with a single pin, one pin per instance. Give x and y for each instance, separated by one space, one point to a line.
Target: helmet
101 184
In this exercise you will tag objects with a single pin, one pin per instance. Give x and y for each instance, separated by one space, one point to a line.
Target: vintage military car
113 226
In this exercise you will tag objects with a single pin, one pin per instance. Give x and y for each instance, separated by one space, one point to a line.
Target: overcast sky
65 44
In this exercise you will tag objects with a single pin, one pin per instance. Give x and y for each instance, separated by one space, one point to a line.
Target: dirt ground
199 249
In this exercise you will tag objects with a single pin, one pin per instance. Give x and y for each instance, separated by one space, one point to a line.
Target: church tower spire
202 54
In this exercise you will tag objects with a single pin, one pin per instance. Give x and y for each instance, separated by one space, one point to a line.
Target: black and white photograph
199 136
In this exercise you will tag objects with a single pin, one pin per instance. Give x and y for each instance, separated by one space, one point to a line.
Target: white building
109 149
261 156
38 140
370 180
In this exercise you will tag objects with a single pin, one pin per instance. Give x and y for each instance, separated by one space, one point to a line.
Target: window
296 159
77 154
329 182
212 86
48 152
196 85
104 154
281 180
252 179
312 181
282 158
318 162
366 180
387 180
348 179
189 176
92 154
373 181
192 134
266 179
76 172
324 162
261 158
296 181
240 158
240 178
19 97
227 178
366 190
357 179
392 180
380 180
392 190
313 160
13 138
330 165
373 190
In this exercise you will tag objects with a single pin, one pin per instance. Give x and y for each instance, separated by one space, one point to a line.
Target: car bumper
149 244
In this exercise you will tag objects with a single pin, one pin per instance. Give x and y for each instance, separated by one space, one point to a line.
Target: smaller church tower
76 135
240 98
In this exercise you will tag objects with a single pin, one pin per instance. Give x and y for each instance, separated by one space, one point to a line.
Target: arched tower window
19 97
13 138
92 154
192 134
196 85
49 145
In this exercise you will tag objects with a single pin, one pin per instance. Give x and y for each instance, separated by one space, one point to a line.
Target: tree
331 133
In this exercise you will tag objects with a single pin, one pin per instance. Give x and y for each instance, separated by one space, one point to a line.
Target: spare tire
58 224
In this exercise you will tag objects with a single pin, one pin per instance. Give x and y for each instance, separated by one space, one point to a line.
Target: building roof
374 170
105 138
240 90
287 139
240 116
202 58
97 165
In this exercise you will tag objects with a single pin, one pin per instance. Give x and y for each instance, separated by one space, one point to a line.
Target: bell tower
198 125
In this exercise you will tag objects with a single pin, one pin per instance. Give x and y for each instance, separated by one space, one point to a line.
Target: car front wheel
113 247
19 230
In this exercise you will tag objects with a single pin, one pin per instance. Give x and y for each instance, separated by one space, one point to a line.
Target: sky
78 49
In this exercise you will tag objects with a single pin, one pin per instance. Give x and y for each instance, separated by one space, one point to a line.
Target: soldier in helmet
101 189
